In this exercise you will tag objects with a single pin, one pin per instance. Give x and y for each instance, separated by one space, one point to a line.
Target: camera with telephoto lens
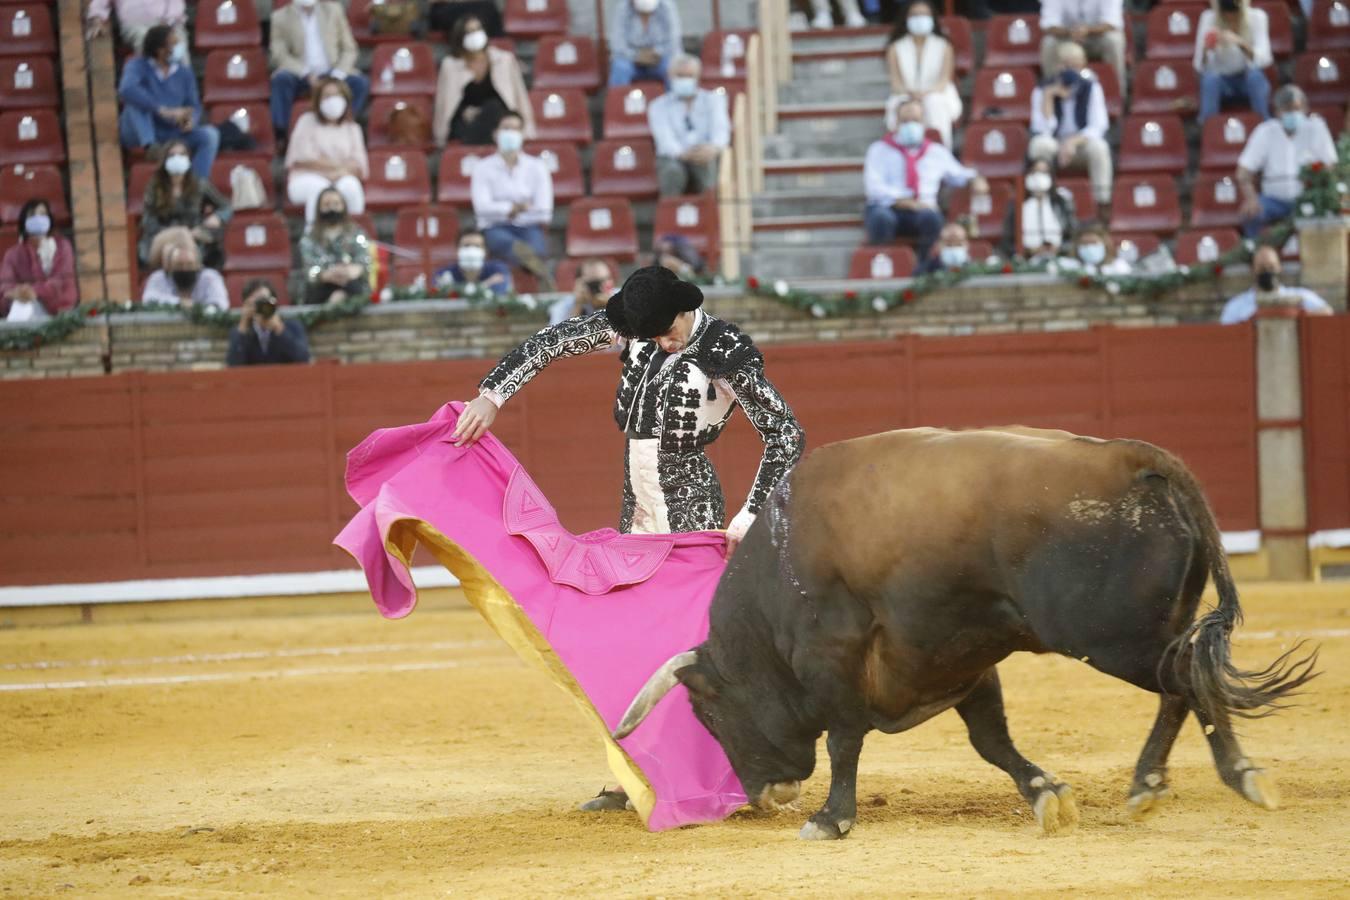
264 307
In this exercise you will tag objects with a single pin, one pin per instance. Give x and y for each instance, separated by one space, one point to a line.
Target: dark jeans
288 87
501 240
886 223
1250 85
1272 210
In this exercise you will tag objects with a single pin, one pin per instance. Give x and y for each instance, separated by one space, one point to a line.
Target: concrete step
868 66
843 200
805 124
840 40
820 175
810 91
833 230
799 264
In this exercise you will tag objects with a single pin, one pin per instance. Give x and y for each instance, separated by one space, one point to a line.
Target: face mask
910 134
37 224
595 285
954 257
684 86
1092 254
646 6
1265 280
185 279
475 40
177 164
920 25
1070 77
179 53
1291 120
471 258
333 107
1228 6
330 216
306 4
1038 182
509 140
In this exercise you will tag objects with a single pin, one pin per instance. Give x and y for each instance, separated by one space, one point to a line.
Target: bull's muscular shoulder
724 349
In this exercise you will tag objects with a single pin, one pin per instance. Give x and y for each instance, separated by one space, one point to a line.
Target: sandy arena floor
341 755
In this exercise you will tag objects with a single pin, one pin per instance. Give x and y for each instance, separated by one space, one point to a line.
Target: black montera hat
650 300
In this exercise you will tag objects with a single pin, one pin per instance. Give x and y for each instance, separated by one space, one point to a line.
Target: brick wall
445 330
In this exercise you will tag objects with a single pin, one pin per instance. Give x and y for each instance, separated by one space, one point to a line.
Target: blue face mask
954 257
179 54
684 86
1292 120
37 225
1070 77
910 134
1092 254
509 140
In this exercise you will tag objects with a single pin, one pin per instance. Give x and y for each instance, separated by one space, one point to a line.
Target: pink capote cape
600 612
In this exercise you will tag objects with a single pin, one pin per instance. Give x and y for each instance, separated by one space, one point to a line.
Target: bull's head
765 746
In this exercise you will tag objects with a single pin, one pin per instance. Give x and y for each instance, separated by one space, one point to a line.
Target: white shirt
1243 306
209 290
316 58
1040 223
1097 120
496 186
1231 60
1278 157
884 174
1068 13
678 126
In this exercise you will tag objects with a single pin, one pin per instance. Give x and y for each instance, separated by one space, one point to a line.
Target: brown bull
893 572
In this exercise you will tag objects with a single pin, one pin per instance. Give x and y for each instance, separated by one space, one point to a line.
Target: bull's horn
662 680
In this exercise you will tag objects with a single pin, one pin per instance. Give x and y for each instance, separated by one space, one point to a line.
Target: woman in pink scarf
37 275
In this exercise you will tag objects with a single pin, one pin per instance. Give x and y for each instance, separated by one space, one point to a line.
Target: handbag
408 125
394 16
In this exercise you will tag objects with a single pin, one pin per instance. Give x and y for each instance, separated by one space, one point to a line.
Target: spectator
691 127
922 66
471 266
513 200
160 102
678 254
1267 290
184 282
951 253
1093 249
334 253
1047 216
311 40
442 15
1097 26
478 84
901 176
1232 47
263 337
327 149
175 197
1277 150
644 36
136 17
822 17
37 275
1069 122
592 290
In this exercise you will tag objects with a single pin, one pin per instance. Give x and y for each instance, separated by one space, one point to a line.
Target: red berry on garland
454 294
93 312
1085 281
1218 269
501 311
850 295
752 283
1317 166
907 296
1007 268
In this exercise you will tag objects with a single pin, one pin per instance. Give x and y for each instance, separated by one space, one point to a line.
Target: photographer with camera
263 336
592 290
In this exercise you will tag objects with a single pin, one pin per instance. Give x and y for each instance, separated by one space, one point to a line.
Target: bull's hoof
1144 804
1259 788
1056 810
825 830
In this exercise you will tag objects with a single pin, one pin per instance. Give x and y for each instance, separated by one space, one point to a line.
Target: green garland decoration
508 304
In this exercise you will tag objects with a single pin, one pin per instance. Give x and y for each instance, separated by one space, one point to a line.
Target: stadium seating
980 250
1171 31
561 115
432 231
21 183
381 108
1324 76
601 227
1012 41
566 61
358 16
257 242
1215 200
26 30
1146 203
693 217
236 281
138 179
986 209
1329 26
226 23
535 18
1164 86
398 69
236 76
879 263
1110 82
28 82
1199 245
1003 94
1281 28
1152 144
626 110
223 170
1135 247
1334 116
723 54
1223 137
564 163
254 119
625 169
455 170
397 178
565 275
962 39
997 150
31 136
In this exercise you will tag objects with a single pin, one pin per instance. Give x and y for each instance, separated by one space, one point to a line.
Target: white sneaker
822 20
797 22
855 20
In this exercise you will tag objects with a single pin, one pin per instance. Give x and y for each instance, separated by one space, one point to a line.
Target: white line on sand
348 650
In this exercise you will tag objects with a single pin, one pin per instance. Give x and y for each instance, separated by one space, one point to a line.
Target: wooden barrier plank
58 516
187 475
263 506
1326 397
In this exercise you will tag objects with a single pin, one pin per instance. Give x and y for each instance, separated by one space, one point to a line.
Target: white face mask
920 25
509 140
1092 254
475 40
954 257
471 258
306 4
333 107
684 86
177 164
646 6
1038 182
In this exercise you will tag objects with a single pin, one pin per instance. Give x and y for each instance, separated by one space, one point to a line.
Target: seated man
902 174
312 40
263 336
594 285
183 281
1277 150
136 17
160 102
951 253
691 128
1265 277
1069 122
1097 25
644 36
513 200
471 266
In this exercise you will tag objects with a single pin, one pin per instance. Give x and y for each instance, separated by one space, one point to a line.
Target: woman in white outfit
327 149
922 64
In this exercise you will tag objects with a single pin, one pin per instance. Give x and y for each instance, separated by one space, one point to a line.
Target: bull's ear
696 680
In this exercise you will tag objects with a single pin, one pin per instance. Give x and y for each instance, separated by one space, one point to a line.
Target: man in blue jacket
263 336
160 102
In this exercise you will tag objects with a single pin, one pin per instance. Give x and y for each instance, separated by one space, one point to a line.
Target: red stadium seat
431 231
236 76
723 54
1324 77
137 181
226 23
1106 77
601 227
8 238
235 282
1152 144
1011 41
625 169
397 178
566 61
980 250
1171 31
1002 94
223 169
880 263
958 31
254 119
1164 86
1329 25
565 275
1223 137
403 68
1281 29
28 82
455 172
21 183
1134 247
694 217
26 30
564 164
997 150
1145 203
1334 117
535 18
358 17
1199 245
561 116
381 108
1215 201
626 110
985 209
257 242
31 136
1084 204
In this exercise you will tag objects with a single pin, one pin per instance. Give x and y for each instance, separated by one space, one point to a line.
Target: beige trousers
1094 153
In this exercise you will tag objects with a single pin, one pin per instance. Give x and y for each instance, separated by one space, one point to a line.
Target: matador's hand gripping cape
600 612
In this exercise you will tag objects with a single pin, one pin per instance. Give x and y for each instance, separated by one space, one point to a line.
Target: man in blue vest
1069 121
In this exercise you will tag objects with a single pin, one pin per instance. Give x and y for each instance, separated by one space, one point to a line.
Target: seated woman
184 281
471 266
37 275
1047 216
477 85
176 196
327 150
1232 49
1096 254
922 65
334 253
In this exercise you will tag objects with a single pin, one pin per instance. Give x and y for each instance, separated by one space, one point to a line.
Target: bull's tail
1201 656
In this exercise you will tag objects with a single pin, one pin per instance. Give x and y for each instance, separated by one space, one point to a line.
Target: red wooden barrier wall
175 474
1326 416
